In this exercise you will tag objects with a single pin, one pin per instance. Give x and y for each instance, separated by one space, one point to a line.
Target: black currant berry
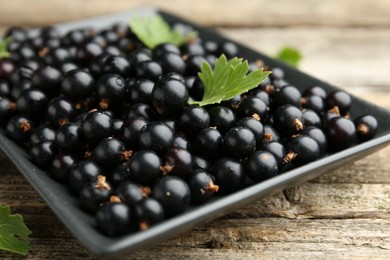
366 127
110 152
239 142
61 165
32 102
178 162
341 133
130 193
318 135
261 165
145 167
60 111
19 128
193 119
302 149
171 62
288 120
140 92
110 90
277 149
43 133
156 136
82 173
229 175
96 126
209 143
255 126
148 212
169 97
130 131
78 84
43 153
253 106
222 118
202 186
340 99
69 137
149 69
174 195
114 219
95 193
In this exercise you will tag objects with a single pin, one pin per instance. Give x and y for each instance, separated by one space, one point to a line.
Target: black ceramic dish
82 225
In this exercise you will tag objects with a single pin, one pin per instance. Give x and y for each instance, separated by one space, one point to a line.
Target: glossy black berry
261 165
366 127
130 193
229 175
96 126
287 95
149 69
314 91
165 47
311 118
114 219
32 102
118 174
222 118
148 212
61 165
253 106
60 111
302 149
82 173
270 134
143 110
110 152
278 150
171 62
19 128
156 136
48 79
202 186
140 92
78 84
209 143
341 133
95 193
43 153
239 142
230 49
110 90
174 195
178 162
69 137
145 167
340 99
130 131
169 97
43 133
7 109
255 126
315 103
193 119
318 135
288 120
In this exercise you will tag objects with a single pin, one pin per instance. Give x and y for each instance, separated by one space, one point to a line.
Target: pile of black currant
110 118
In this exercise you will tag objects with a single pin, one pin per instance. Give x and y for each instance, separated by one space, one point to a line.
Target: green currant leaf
229 79
154 30
3 47
290 56
13 232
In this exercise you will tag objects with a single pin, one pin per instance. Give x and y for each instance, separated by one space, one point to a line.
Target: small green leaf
13 232
290 56
3 47
153 31
229 79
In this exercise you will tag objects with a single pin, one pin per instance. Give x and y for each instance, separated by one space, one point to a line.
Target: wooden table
343 214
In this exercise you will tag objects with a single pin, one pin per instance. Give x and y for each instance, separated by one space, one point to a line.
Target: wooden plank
283 13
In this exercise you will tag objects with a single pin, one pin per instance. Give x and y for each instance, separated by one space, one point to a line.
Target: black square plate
82 224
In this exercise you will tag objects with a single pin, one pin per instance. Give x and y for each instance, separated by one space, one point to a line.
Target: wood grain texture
252 13
344 214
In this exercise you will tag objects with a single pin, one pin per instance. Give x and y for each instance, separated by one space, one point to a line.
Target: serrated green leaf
153 31
290 56
229 79
13 232
3 47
